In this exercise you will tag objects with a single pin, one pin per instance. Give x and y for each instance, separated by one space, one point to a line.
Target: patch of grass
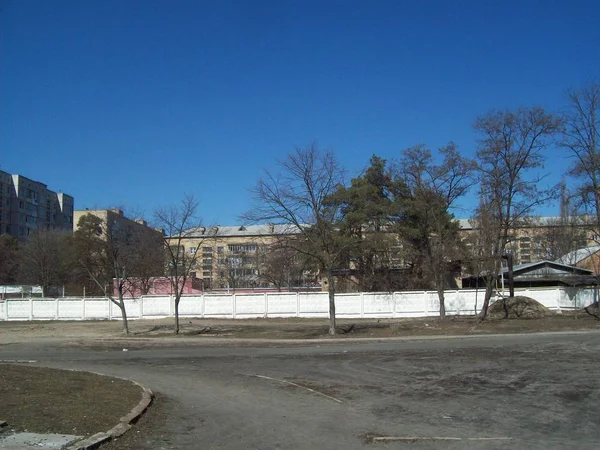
43 400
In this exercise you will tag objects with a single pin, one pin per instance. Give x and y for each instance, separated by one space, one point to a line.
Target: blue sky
134 103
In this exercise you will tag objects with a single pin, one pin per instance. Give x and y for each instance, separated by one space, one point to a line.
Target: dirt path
533 389
202 329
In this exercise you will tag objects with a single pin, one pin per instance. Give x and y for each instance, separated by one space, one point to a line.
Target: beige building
240 257
27 205
542 238
237 257
115 219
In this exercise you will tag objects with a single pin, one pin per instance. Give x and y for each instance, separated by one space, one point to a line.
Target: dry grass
42 400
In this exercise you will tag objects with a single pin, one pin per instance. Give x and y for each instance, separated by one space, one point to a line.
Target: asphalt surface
537 391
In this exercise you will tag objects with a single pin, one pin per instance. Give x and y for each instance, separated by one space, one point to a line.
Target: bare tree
149 261
180 223
581 138
510 147
280 265
106 254
297 196
46 259
429 224
566 233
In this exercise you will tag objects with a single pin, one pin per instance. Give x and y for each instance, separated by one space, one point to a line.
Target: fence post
30 308
83 309
297 304
171 306
56 311
234 306
362 304
266 305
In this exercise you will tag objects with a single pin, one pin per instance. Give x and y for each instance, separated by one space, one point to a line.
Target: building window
192 250
240 248
207 249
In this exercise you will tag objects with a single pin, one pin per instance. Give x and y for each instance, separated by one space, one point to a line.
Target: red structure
136 287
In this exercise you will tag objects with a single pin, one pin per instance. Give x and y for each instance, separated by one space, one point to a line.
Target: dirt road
538 391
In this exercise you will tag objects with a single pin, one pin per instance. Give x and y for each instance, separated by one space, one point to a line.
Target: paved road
517 391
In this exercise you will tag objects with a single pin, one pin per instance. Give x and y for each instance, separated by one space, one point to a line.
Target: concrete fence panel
218 305
313 304
433 303
19 309
409 304
460 302
71 308
379 305
282 304
156 306
191 306
250 305
348 305
97 308
43 309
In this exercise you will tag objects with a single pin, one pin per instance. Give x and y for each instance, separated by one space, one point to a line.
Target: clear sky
134 103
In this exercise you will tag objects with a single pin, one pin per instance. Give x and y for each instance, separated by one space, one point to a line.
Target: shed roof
579 255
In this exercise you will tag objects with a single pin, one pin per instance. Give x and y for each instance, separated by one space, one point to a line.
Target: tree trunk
124 317
442 299
177 315
489 290
121 305
331 285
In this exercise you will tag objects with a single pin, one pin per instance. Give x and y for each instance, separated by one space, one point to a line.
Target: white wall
280 304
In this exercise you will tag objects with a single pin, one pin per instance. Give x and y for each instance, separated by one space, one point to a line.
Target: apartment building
115 219
27 205
241 257
542 238
237 257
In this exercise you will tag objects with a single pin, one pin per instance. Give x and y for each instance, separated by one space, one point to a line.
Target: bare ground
43 400
268 329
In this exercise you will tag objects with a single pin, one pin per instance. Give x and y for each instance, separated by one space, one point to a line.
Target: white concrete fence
301 304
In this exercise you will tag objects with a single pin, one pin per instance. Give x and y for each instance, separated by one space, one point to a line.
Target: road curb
125 422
